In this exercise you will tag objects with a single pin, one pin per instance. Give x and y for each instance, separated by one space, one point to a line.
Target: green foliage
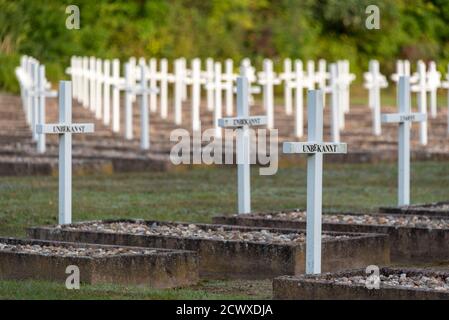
307 29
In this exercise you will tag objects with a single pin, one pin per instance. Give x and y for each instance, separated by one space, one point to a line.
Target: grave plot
437 209
394 284
229 251
48 260
413 238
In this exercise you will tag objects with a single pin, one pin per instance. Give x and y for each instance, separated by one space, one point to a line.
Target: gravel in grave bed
195 231
436 207
415 221
412 280
69 251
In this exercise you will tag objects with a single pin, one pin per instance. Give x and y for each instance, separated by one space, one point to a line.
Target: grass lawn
196 195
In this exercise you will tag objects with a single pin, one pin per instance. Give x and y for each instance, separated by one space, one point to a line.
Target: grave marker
445 85
421 89
268 80
229 78
218 85
314 148
374 81
42 93
107 80
242 123
143 91
404 117
92 86
153 84
178 91
164 78
247 70
117 82
433 83
321 77
65 128
85 98
288 77
209 80
299 87
195 81
98 90
335 102
310 75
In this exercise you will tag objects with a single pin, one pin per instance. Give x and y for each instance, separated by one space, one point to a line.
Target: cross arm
314 147
403 117
238 122
58 128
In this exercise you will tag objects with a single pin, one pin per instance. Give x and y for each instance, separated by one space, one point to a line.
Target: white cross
247 70
374 81
242 123
35 87
321 76
195 81
65 128
403 69
143 91
229 78
311 75
218 86
178 90
268 79
85 75
345 80
445 85
314 148
117 82
98 89
184 72
92 85
421 89
433 83
404 118
164 77
107 81
335 104
288 78
299 88
153 83
209 82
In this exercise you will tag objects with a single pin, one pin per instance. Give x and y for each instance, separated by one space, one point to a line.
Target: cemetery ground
196 195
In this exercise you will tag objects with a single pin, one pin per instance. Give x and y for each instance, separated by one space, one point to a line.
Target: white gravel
439 283
70 251
194 231
387 220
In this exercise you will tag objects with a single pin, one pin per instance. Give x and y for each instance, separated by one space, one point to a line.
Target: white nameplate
63 128
311 147
240 122
402 117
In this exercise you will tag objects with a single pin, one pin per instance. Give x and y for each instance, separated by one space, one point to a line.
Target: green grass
196 195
